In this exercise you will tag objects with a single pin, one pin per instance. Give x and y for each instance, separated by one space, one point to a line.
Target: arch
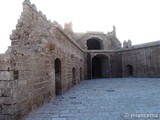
57 65
129 70
100 66
73 76
94 44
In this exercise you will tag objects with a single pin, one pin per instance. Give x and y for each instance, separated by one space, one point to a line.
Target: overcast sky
138 20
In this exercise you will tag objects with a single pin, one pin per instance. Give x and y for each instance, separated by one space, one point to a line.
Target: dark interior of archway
96 68
130 70
80 73
58 76
73 76
93 44
100 66
57 67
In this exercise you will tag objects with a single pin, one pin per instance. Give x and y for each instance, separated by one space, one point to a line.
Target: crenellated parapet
33 30
127 44
68 27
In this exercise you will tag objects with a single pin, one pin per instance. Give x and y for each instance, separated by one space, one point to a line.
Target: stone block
7 100
6 110
7 92
6 75
5 67
2 99
5 117
0 92
5 84
22 82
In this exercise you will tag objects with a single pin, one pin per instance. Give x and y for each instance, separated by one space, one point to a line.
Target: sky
137 20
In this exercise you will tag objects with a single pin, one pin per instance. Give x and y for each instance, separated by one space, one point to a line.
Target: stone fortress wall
45 60
42 62
141 60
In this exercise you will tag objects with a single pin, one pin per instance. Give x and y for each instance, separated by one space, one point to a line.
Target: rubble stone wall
27 70
34 82
6 85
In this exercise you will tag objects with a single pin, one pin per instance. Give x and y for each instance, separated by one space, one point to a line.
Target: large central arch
94 44
100 66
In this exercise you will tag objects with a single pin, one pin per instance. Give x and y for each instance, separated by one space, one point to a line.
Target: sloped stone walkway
105 99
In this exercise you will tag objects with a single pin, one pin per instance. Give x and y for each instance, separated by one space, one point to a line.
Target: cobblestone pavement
105 99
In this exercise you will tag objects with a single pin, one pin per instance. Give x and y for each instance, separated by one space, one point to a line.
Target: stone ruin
45 60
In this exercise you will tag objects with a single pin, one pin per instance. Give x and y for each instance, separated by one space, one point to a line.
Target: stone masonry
45 60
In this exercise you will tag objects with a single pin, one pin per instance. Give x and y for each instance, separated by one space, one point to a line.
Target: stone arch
129 70
58 86
94 44
100 66
73 76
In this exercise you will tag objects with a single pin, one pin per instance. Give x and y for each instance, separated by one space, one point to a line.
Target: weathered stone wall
144 59
31 43
105 42
108 41
28 76
71 56
6 85
35 45
34 82
116 64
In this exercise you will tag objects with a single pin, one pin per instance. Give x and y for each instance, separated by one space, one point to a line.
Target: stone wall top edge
140 46
59 28
70 39
99 51
94 32
42 15
87 34
147 44
90 33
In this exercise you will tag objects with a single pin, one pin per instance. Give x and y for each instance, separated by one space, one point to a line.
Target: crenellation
26 2
34 7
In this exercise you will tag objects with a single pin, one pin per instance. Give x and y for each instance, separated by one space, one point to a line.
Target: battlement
142 46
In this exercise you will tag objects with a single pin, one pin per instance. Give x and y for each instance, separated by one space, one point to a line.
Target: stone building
45 60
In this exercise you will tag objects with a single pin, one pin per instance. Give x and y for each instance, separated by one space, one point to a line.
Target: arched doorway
80 73
129 70
58 76
100 66
94 44
73 76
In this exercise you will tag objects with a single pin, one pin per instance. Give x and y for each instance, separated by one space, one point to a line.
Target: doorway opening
73 76
100 66
58 87
129 70
80 73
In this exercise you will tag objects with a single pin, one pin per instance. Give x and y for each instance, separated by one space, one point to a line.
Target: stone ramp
105 99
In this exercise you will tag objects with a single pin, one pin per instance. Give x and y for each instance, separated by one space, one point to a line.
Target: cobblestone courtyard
105 99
